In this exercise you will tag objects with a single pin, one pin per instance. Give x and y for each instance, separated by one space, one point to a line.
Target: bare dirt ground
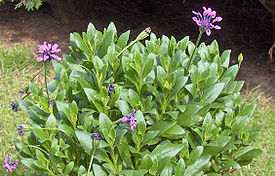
245 29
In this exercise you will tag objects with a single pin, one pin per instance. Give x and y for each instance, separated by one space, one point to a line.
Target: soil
246 28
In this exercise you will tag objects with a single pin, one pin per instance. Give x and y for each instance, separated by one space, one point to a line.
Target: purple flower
110 88
130 119
206 20
22 91
148 30
48 51
14 106
9 165
20 130
96 136
51 102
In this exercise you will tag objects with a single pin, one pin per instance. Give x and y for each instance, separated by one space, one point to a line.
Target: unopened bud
145 33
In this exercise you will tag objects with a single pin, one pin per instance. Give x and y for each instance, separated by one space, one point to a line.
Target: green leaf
162 75
149 136
81 171
163 126
106 128
139 172
247 153
85 141
40 133
123 39
24 105
40 156
197 166
123 107
69 167
225 58
51 121
180 168
212 93
133 98
183 43
231 163
216 145
248 110
146 162
188 117
34 89
240 124
108 40
28 162
98 170
167 150
148 65
175 132
195 154
74 113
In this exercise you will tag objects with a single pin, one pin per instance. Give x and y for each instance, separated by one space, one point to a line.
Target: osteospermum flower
206 20
48 51
20 130
8 165
130 119
14 106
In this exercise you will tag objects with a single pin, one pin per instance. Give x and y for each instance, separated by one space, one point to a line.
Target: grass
265 116
17 66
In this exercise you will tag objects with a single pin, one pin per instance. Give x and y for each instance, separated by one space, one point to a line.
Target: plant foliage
189 122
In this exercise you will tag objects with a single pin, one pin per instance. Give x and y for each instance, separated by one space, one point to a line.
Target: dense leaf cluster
189 121
28 4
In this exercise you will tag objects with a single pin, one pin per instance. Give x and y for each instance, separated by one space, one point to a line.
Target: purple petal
196 13
208 32
199 15
39 59
217 27
45 57
195 19
217 19
56 57
213 14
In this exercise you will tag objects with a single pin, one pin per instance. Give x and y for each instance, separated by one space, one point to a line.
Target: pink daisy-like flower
206 20
130 119
9 166
48 51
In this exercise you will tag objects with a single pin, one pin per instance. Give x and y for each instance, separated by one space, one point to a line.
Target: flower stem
45 76
92 158
197 43
133 42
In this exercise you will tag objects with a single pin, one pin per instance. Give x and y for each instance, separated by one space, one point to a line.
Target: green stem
45 76
133 42
197 43
91 161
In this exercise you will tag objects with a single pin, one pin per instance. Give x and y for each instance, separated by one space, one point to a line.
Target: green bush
188 121
28 4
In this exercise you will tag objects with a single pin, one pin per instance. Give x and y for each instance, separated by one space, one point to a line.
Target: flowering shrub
163 108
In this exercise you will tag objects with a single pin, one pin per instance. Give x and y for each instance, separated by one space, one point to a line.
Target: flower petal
217 27
208 32
213 14
39 59
217 19
56 57
196 13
